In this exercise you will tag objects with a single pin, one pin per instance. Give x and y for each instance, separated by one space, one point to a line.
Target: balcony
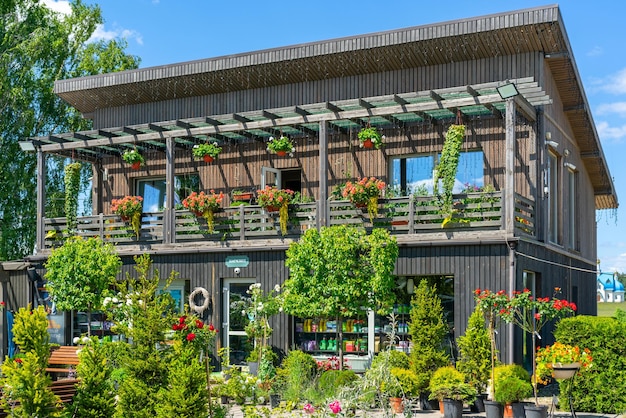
414 218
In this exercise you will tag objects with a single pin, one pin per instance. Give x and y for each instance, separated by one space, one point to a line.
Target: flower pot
136 165
207 158
452 408
396 405
518 409
508 411
493 409
536 411
274 400
242 196
272 209
479 403
399 222
564 370
281 153
253 367
368 144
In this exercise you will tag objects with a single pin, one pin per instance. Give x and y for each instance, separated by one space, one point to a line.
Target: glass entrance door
235 299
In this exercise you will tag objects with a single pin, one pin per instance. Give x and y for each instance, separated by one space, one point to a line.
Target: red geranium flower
191 336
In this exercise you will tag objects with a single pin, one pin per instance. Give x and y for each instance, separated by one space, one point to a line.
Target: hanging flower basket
207 152
281 146
272 198
129 209
370 138
564 371
365 193
134 158
204 205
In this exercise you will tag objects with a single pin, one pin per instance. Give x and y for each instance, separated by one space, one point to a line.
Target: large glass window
573 209
553 197
153 191
414 174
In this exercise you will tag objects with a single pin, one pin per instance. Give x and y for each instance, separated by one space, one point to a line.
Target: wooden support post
41 198
169 214
323 174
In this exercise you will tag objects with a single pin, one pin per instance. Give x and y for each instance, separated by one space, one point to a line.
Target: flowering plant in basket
559 353
205 205
370 137
211 150
129 208
134 158
280 146
272 198
365 192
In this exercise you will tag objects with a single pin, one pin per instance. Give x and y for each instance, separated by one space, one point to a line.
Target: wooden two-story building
510 78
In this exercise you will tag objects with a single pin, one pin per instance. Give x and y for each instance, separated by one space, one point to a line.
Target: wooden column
169 213
98 187
323 174
509 206
41 199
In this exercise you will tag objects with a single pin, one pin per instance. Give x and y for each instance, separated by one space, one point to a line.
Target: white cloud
595 51
102 34
618 108
607 132
615 83
60 6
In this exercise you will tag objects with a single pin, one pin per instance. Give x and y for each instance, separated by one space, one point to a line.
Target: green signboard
237 261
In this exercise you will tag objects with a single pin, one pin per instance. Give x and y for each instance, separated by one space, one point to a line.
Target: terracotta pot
281 153
136 165
272 208
396 405
207 158
242 196
399 222
368 144
508 411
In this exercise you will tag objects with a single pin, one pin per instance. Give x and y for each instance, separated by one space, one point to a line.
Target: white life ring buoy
192 300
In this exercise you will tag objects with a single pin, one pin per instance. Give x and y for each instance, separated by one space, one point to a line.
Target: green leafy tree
475 351
428 331
24 382
340 271
79 272
37 47
142 314
95 395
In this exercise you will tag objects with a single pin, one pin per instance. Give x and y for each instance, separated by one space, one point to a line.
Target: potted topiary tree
475 357
448 385
512 385
428 331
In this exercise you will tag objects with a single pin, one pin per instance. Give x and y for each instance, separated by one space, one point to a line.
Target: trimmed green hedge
600 389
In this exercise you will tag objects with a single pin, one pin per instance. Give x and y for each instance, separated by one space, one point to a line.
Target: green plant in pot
449 383
207 152
512 383
370 137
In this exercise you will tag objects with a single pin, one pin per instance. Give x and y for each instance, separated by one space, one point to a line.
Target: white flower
76 340
243 312
280 309
383 137
115 300
106 301
293 149
78 351
129 302
85 340
260 308
140 302
271 138
277 288
257 285
196 146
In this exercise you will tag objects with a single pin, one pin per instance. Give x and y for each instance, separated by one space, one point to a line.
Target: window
153 191
414 174
573 209
553 197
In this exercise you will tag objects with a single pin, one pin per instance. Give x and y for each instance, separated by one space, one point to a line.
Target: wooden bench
63 359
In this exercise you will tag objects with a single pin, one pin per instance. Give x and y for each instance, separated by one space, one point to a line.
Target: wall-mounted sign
237 261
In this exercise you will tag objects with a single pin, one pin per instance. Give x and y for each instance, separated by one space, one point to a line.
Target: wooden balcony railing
402 215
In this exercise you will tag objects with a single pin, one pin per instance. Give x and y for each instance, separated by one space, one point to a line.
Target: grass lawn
608 309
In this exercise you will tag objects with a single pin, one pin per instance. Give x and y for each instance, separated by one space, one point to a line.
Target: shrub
392 358
512 383
603 386
475 352
297 372
408 381
332 380
448 382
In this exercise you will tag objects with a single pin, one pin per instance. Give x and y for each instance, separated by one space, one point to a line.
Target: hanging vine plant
72 184
447 167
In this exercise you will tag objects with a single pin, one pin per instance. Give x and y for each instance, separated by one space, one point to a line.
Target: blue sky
162 32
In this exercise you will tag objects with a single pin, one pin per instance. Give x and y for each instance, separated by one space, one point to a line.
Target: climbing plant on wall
72 184
448 164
